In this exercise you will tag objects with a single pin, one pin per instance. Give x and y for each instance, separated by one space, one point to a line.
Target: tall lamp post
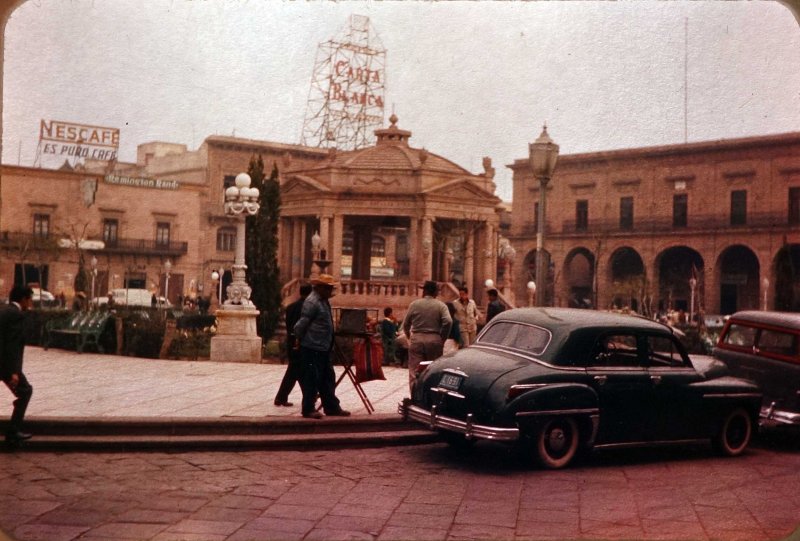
240 201
167 272
542 155
237 337
93 263
692 286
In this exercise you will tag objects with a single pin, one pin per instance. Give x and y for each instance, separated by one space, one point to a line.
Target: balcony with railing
695 223
28 241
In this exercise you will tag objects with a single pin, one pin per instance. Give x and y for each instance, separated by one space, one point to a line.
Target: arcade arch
787 278
676 267
628 279
738 278
579 271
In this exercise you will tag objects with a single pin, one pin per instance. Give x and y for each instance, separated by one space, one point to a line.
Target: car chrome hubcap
556 440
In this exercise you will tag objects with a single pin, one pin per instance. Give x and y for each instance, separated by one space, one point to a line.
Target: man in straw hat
427 324
314 329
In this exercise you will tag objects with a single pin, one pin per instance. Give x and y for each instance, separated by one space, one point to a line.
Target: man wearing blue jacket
315 331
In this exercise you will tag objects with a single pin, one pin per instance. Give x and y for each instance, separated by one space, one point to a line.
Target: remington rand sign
142 182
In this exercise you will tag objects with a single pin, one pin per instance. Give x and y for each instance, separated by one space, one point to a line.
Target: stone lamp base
236 340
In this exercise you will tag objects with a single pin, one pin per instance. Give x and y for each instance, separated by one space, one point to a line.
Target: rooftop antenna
346 99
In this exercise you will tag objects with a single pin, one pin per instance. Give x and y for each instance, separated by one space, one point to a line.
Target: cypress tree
261 255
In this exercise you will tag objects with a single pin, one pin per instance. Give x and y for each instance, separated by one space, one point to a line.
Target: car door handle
601 379
655 379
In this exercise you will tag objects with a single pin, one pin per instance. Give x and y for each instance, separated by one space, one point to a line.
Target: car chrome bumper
775 417
470 430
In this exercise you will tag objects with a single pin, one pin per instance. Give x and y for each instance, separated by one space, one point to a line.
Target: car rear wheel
557 442
734 433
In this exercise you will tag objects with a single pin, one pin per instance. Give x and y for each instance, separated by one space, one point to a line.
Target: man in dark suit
294 367
12 345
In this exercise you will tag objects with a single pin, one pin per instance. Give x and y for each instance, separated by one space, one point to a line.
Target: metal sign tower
346 99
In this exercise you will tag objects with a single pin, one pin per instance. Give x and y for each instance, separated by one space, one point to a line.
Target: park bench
86 327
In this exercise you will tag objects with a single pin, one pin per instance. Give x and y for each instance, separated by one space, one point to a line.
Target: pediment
302 184
377 181
461 188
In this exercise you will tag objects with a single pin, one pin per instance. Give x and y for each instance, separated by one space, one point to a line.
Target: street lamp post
692 286
237 337
167 272
531 292
542 155
240 200
93 263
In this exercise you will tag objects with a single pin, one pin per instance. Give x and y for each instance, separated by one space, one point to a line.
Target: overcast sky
469 79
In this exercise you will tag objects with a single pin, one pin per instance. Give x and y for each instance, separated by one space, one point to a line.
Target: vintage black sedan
559 380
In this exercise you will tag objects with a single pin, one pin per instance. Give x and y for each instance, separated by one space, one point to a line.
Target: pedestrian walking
294 364
12 347
455 340
388 330
427 324
495 306
314 329
467 314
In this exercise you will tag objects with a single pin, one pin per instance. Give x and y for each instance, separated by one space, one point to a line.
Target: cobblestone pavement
419 492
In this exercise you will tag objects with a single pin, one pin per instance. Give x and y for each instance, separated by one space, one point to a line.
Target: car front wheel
557 442
734 433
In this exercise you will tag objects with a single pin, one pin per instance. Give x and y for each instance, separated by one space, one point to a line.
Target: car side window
663 352
777 342
616 350
740 336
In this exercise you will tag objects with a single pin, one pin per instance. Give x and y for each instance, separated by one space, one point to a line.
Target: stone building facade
387 217
709 227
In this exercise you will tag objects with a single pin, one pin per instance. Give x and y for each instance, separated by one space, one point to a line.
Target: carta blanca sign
142 182
79 140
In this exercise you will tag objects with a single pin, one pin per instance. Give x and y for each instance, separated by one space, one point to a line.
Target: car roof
780 319
574 318
575 330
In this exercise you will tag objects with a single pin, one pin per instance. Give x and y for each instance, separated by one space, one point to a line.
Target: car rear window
526 338
777 342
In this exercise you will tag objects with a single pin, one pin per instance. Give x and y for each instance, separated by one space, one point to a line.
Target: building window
347 241
680 204
110 230
794 206
227 182
739 207
226 239
626 213
378 247
162 233
41 225
581 215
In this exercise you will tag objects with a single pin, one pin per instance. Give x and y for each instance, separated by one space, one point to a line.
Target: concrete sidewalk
90 385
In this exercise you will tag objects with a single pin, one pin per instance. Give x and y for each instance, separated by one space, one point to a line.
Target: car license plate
450 381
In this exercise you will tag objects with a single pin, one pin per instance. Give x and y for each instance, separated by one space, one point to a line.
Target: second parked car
765 347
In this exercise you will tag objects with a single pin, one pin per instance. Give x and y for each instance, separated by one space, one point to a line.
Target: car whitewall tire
557 442
734 433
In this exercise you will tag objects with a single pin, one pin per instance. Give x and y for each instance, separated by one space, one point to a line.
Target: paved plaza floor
70 384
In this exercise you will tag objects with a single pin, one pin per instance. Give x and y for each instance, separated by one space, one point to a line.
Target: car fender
539 402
